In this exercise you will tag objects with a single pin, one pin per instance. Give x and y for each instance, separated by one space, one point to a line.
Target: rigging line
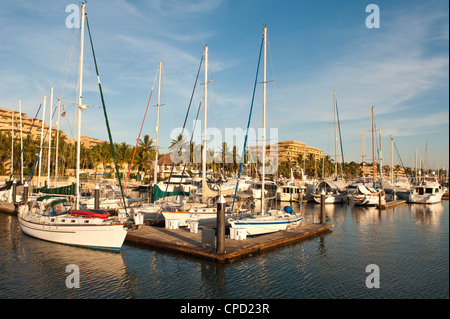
192 137
274 84
340 138
168 96
31 127
69 62
40 149
139 136
65 77
248 125
185 120
398 153
105 113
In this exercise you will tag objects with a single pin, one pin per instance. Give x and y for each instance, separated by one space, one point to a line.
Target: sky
400 68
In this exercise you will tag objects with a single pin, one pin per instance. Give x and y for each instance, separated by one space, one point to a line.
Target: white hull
109 203
368 196
426 199
368 200
264 224
206 217
429 192
148 211
332 198
286 197
73 230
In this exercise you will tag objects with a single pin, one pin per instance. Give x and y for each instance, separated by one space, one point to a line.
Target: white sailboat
367 196
334 188
61 224
370 196
201 212
272 220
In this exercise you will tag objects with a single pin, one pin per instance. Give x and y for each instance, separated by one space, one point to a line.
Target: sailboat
45 219
335 189
365 195
185 211
272 220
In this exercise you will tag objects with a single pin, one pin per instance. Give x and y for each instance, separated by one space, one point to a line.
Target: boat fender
288 209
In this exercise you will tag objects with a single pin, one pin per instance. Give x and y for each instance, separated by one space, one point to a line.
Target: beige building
29 125
289 151
397 171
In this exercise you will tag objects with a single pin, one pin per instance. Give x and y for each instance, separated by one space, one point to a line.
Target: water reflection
427 214
413 258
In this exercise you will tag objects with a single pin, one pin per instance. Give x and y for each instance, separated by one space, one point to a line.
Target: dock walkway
187 243
392 203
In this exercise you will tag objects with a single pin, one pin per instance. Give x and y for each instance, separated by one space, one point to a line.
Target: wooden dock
7 208
392 203
184 242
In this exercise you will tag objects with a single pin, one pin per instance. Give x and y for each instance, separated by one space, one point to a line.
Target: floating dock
7 208
392 203
191 244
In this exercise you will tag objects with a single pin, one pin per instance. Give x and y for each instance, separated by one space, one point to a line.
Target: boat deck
184 242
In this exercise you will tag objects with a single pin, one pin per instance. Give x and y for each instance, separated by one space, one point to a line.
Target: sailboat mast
373 150
50 136
155 165
57 142
42 138
335 136
362 156
12 145
415 152
80 94
205 53
381 160
264 124
21 142
391 159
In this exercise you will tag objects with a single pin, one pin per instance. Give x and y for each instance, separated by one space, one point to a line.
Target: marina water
408 243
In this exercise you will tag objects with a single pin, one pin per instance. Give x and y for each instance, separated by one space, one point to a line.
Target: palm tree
148 152
226 157
141 161
123 152
146 144
102 154
179 148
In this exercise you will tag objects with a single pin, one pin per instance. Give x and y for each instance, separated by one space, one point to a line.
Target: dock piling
322 207
14 192
221 224
97 197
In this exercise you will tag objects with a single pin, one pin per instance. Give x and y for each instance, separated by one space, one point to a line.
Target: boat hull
260 226
104 236
331 198
184 216
369 200
426 199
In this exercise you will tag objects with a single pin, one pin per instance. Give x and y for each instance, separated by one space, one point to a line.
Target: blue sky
315 47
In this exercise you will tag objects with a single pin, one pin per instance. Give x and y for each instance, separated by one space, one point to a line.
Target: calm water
409 244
